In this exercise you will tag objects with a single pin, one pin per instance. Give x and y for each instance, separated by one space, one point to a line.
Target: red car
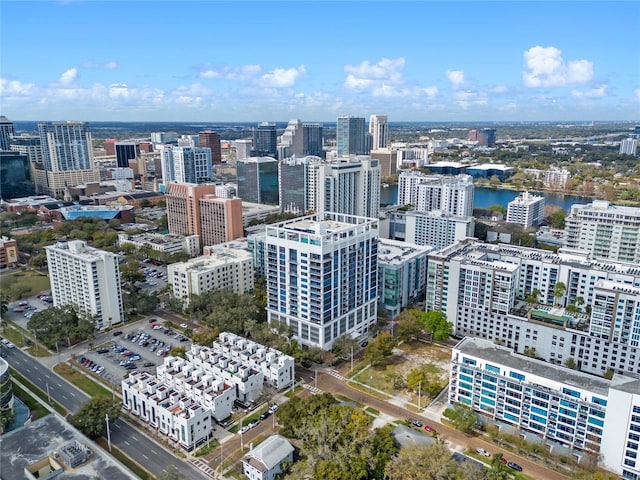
429 429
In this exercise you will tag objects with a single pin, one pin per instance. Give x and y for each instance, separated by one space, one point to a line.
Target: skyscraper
265 141
88 279
126 151
257 179
243 148
322 276
379 130
448 194
292 138
209 139
66 146
312 139
292 185
526 210
186 164
15 175
6 132
628 146
350 136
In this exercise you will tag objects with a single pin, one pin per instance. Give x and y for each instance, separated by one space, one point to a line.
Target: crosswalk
335 373
203 467
312 389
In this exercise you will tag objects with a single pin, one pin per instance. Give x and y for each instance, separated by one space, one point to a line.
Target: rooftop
394 252
490 352
271 452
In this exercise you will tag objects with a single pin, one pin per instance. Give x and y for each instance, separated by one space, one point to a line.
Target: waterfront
485 197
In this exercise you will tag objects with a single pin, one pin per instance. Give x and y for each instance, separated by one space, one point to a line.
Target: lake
485 197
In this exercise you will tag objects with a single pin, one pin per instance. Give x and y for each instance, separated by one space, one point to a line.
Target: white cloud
110 65
637 93
431 91
467 98
243 72
455 77
15 88
387 69
499 89
68 77
546 68
598 92
280 77
354 83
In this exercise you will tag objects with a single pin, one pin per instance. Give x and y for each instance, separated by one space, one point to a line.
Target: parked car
429 429
265 415
273 408
184 325
244 429
148 364
483 452
102 350
416 422
514 465
253 424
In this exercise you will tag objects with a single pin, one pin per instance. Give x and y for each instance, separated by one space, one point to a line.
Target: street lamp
106 418
419 393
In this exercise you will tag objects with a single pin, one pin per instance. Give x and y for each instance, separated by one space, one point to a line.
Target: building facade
350 136
607 231
449 194
402 273
186 164
6 132
257 179
526 210
220 219
379 130
628 146
168 243
292 185
222 269
66 146
211 140
8 252
6 387
86 278
125 152
322 276
265 461
265 141
15 175
183 207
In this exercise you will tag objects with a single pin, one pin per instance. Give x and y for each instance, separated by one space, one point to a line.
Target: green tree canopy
91 418
432 462
380 349
409 326
61 325
462 417
436 323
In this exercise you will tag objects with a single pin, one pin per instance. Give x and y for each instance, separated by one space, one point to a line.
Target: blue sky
315 60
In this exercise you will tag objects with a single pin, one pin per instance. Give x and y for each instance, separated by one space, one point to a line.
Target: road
131 441
328 383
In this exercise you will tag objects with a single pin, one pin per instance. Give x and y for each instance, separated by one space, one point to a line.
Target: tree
205 335
579 302
556 219
130 274
533 296
178 352
409 326
462 417
381 348
571 363
7 416
530 352
431 462
436 323
498 470
558 291
91 418
343 345
609 374
61 325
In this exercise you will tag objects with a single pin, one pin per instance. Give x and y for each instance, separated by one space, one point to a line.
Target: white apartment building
322 276
402 271
556 178
379 130
86 278
437 229
186 164
628 146
526 210
482 289
450 194
168 243
346 185
205 384
173 413
230 269
607 231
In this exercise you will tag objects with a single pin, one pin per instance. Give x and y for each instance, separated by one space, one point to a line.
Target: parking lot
156 277
142 348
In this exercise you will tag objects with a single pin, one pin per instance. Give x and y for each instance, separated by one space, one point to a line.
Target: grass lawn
23 283
85 384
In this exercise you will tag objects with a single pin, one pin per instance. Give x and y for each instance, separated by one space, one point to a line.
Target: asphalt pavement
131 441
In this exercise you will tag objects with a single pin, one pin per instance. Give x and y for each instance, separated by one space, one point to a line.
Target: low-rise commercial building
168 243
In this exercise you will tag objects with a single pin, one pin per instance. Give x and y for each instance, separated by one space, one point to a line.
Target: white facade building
450 194
628 146
169 243
322 276
526 210
264 462
86 278
607 231
379 130
230 269
482 289
402 273
186 164
556 178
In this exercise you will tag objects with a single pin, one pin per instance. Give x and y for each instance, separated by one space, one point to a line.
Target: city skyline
272 61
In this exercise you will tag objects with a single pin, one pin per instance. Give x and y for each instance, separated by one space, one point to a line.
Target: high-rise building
350 136
449 194
164 137
292 185
322 276
110 146
15 175
29 145
606 231
489 137
379 130
8 252
186 164
388 161
350 186
243 148
265 141
183 207
257 179
292 139
312 139
125 152
209 139
66 146
195 210
220 219
628 146
86 278
6 132
526 210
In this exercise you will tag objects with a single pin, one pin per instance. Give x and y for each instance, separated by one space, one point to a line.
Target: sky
314 60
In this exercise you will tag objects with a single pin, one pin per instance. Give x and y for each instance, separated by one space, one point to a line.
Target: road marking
72 394
126 443
117 426
135 438
153 451
145 456
65 397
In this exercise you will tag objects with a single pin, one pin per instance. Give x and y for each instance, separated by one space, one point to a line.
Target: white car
273 409
245 429
10 345
483 452
184 325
